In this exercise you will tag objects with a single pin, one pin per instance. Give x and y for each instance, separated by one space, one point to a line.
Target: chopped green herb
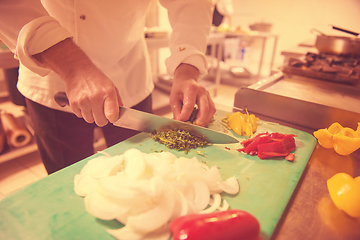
158 151
202 153
178 139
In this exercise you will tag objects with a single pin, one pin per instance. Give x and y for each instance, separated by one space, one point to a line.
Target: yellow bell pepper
344 140
242 124
236 122
345 193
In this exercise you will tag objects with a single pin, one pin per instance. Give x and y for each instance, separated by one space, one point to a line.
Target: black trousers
64 139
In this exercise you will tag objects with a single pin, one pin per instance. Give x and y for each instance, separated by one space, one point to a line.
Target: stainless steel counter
308 105
300 102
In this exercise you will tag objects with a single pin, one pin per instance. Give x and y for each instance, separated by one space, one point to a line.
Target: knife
147 122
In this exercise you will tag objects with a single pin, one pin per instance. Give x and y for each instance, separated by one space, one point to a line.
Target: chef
95 51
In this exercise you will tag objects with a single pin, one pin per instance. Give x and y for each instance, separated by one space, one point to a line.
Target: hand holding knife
146 122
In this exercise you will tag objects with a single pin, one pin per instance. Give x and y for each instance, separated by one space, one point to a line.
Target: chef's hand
186 92
92 95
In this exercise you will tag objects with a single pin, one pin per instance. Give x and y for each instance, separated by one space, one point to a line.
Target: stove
309 93
329 67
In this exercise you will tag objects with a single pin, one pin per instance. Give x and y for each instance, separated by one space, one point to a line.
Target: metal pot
337 44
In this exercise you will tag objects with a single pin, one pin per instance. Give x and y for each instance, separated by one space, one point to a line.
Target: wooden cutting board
49 208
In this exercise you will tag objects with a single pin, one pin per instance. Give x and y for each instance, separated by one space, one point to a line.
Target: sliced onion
161 234
215 204
84 184
202 195
225 206
212 179
135 163
184 200
181 203
103 207
146 192
126 233
103 166
156 217
123 188
230 186
157 186
158 164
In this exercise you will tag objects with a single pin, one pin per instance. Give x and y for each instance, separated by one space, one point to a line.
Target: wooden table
311 214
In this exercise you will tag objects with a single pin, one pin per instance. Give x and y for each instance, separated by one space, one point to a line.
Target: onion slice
156 217
84 184
135 163
103 207
215 204
230 186
202 195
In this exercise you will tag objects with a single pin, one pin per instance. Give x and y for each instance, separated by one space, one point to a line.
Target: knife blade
147 122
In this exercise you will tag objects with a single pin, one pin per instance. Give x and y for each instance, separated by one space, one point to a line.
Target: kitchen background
291 21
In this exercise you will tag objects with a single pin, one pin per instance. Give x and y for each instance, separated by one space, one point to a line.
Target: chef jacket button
82 17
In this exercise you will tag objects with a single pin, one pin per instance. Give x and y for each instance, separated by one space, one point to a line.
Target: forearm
185 72
66 59
92 95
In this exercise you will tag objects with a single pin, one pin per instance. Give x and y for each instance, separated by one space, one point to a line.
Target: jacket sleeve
26 29
191 24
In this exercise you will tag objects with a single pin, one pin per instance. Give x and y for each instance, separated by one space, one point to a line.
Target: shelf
12 152
18 152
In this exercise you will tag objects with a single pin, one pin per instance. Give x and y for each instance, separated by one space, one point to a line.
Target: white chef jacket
110 32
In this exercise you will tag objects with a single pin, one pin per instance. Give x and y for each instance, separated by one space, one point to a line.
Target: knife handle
61 99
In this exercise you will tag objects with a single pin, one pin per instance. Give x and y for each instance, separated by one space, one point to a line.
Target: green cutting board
49 208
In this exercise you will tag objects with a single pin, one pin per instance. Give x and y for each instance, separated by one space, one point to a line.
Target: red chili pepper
229 225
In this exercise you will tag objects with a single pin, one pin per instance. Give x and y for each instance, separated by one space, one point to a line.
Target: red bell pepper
290 157
274 149
279 136
253 143
267 145
229 225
